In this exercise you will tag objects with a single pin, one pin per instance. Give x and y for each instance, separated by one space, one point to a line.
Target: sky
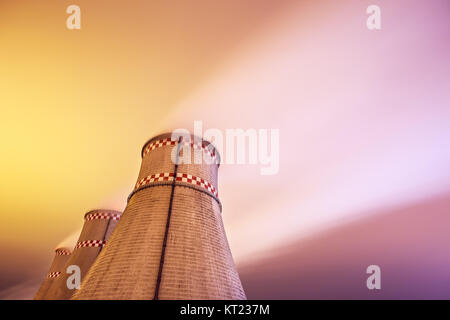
363 118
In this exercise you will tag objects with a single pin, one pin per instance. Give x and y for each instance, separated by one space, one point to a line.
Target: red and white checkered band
182 177
158 143
102 215
53 274
62 252
154 178
205 149
168 142
90 243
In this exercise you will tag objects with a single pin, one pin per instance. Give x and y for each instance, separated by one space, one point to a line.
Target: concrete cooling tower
98 226
56 269
170 242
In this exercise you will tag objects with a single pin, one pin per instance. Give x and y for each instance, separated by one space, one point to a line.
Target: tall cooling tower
170 242
61 257
98 226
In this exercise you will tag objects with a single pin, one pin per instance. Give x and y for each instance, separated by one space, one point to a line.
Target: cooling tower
61 257
170 242
98 226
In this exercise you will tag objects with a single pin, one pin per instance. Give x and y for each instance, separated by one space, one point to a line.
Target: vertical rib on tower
98 226
61 256
170 243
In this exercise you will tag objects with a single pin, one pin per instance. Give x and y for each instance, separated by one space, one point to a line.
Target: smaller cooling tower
61 257
98 225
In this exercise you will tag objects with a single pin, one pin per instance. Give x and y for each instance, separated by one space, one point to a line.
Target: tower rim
63 248
167 135
108 211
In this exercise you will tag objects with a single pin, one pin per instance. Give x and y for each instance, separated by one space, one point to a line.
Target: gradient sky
364 118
